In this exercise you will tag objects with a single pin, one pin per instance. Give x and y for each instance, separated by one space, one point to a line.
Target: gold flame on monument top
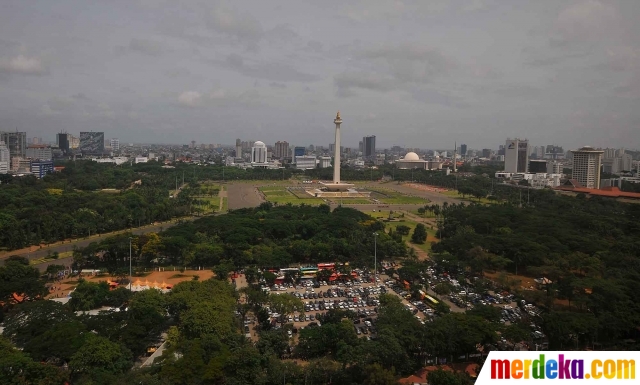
338 116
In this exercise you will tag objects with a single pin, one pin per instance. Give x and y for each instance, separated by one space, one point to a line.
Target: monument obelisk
336 157
336 185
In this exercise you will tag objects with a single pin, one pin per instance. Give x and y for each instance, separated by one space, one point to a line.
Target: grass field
468 198
394 197
352 201
210 204
431 234
62 255
281 196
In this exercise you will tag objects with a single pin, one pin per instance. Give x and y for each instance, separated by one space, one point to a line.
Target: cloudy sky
415 73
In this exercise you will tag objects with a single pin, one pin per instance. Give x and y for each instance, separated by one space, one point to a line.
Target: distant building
115 144
39 151
516 156
281 150
16 142
62 140
369 146
412 161
141 159
486 153
5 158
537 166
325 161
463 150
299 151
74 142
258 153
305 162
40 168
586 166
238 148
554 167
92 142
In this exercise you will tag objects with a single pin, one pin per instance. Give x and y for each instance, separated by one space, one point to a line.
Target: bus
431 300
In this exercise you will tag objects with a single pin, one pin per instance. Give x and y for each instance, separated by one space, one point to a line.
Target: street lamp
375 258
130 275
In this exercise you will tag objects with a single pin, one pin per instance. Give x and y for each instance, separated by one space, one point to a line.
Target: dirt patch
62 289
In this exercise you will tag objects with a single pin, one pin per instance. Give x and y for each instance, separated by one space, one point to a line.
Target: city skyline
411 73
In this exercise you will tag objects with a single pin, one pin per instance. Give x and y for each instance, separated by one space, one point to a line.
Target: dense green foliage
65 204
589 248
265 236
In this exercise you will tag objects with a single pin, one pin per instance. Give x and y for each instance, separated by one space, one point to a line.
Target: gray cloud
267 70
22 65
146 47
212 70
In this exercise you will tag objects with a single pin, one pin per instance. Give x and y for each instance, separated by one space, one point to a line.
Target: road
64 247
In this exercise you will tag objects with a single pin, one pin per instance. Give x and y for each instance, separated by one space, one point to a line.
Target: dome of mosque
411 156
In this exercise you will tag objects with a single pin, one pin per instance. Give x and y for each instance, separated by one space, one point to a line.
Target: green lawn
210 204
352 201
468 198
388 196
281 196
431 234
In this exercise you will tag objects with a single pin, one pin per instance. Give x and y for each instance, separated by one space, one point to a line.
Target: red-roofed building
608 192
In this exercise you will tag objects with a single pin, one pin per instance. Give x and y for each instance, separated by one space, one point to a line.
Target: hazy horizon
413 73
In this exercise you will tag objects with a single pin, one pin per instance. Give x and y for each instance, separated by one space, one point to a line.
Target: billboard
92 142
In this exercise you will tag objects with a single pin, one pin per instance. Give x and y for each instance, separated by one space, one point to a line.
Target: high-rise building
5 158
516 156
74 142
538 166
92 142
115 144
554 167
238 151
39 151
281 150
369 146
259 153
299 151
486 153
586 166
463 150
62 140
16 142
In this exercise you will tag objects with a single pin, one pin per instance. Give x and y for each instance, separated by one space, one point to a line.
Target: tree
285 304
223 270
98 354
89 295
20 282
441 377
419 234
377 375
31 319
18 368
403 229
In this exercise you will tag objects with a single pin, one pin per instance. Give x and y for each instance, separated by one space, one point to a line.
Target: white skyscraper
5 158
115 144
259 153
516 156
586 166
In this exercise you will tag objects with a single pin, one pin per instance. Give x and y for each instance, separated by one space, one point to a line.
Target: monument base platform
332 186
350 193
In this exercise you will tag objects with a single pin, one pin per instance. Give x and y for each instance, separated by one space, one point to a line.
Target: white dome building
259 153
412 160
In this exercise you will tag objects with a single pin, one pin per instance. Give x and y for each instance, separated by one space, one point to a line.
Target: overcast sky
419 73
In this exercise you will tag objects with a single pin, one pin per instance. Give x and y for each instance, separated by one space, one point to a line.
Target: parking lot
357 296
